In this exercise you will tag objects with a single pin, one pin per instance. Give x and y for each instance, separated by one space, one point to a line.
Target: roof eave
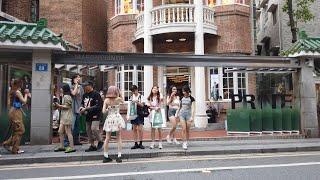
305 54
29 45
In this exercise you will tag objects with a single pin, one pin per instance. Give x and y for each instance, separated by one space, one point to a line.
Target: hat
87 83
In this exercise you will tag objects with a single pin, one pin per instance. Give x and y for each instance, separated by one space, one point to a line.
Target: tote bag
158 119
132 111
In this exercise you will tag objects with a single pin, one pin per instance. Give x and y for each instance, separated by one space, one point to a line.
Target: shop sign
273 99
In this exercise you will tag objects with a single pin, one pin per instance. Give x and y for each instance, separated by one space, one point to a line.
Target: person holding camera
65 120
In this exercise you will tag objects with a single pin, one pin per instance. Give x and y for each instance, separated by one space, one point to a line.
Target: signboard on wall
42 67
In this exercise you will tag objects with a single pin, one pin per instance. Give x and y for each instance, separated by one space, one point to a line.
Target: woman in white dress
114 121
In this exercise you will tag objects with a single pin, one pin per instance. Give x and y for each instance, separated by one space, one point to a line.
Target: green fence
266 119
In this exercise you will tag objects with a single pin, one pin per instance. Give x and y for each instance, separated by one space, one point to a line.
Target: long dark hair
151 94
74 77
15 86
66 89
186 89
170 90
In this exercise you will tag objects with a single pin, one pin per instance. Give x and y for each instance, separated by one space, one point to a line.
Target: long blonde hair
113 92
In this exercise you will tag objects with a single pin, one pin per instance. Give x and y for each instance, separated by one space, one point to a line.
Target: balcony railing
176 18
168 14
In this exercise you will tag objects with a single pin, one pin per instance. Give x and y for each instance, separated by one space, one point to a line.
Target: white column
219 2
134 6
148 48
305 93
41 123
161 80
201 120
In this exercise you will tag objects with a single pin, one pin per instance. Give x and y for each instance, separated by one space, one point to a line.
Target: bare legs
185 133
174 126
153 133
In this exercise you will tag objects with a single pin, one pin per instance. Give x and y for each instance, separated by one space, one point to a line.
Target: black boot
136 146
140 145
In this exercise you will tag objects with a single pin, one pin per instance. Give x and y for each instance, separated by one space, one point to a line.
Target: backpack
143 111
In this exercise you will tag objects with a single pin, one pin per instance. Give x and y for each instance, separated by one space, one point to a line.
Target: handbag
143 111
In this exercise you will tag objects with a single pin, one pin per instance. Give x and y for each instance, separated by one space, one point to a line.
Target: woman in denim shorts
173 102
186 114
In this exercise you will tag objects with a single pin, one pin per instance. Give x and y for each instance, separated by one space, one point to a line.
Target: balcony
176 18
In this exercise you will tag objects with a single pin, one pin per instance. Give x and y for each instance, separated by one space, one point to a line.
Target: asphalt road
291 166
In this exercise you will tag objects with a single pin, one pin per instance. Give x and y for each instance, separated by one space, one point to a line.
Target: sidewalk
45 154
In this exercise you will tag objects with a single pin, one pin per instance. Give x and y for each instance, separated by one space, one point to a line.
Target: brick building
82 23
19 10
217 27
273 33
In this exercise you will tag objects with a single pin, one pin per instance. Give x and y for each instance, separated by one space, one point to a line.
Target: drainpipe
280 27
253 18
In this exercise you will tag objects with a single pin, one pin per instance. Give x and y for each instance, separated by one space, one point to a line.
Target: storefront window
223 84
127 76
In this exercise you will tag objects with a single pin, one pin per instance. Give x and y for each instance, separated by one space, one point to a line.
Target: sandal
59 149
70 150
20 151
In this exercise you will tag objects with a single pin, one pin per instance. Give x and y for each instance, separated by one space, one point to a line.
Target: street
298 165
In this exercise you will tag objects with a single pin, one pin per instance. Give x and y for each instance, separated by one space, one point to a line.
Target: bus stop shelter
41 57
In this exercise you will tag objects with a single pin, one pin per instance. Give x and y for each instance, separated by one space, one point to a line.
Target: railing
140 22
180 16
168 14
208 16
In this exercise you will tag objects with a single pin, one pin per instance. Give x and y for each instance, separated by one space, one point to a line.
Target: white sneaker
152 145
168 139
175 141
184 146
160 145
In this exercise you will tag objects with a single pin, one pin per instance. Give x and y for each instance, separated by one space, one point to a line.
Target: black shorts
138 121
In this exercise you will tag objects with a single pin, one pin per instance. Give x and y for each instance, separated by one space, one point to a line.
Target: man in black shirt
91 108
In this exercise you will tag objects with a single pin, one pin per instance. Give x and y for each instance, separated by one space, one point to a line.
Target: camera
55 100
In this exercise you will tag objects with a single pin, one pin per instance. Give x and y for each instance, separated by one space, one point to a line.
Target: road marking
197 158
174 171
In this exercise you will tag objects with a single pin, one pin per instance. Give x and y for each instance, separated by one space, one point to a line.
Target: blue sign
41 67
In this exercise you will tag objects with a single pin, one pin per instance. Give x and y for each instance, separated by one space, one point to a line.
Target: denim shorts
185 115
172 112
138 121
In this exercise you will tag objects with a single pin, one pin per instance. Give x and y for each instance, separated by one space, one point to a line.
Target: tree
301 13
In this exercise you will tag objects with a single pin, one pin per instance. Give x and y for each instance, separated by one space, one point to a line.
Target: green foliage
302 12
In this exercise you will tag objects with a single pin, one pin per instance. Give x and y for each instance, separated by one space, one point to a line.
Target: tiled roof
304 46
29 32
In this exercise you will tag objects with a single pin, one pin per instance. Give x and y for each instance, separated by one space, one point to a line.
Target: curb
96 157
230 138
